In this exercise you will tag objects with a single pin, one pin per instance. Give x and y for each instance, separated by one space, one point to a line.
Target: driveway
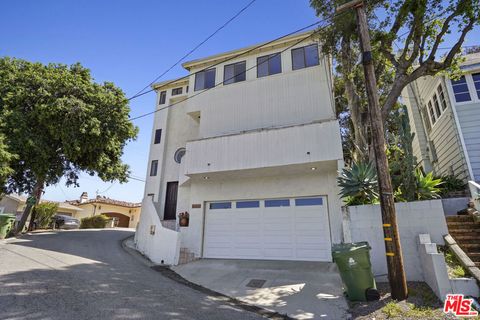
86 274
303 290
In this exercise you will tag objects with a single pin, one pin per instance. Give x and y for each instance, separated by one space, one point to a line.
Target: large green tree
406 43
58 122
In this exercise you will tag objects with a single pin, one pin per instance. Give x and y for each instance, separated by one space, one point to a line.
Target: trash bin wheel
372 294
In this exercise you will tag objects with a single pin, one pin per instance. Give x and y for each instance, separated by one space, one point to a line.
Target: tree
5 158
58 122
407 35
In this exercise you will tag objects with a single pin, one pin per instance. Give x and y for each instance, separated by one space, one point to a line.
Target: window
158 136
441 95
163 97
437 106
205 79
431 112
221 205
177 91
476 82
309 202
247 204
305 57
179 155
234 72
460 90
268 65
277 203
153 168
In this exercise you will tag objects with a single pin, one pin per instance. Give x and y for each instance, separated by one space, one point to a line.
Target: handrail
475 192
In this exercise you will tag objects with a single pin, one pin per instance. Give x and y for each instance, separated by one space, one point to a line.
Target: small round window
179 155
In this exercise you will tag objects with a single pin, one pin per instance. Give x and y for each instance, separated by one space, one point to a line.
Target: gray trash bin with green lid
6 223
353 261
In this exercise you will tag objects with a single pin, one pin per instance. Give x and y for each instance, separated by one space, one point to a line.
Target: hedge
99 221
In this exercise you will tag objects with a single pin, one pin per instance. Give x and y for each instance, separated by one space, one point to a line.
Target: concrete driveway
86 274
303 290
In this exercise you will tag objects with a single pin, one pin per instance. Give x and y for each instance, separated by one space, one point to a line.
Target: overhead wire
139 93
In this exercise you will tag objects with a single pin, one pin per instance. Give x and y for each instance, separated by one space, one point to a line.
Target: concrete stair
467 234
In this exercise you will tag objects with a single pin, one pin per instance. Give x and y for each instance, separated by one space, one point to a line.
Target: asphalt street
86 274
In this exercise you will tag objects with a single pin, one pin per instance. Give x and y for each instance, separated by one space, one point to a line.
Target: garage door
271 229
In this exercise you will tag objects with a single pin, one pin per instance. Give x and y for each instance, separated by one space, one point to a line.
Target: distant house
126 213
14 203
250 148
445 116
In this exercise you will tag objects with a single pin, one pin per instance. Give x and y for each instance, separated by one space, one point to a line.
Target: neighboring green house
445 116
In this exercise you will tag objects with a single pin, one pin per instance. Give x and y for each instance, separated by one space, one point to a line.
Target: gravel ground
421 304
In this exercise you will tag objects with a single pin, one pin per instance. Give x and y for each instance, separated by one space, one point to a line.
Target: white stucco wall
307 184
163 247
413 218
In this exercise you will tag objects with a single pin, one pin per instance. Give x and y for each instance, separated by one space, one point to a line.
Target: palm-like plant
427 186
358 184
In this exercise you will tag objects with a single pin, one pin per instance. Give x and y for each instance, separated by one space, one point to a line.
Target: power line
194 49
250 50
231 58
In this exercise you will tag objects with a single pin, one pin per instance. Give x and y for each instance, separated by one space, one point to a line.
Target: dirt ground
421 304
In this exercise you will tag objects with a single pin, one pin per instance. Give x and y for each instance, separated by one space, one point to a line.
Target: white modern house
249 145
445 116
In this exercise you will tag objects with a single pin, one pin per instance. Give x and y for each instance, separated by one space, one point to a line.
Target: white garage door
272 229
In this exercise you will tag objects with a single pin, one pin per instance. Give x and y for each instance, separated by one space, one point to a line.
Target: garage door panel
274 233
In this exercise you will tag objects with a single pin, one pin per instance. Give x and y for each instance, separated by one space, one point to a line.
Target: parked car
65 222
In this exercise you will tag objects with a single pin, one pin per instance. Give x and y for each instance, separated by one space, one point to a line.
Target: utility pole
396 273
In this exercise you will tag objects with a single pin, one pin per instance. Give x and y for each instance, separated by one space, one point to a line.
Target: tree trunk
357 114
37 193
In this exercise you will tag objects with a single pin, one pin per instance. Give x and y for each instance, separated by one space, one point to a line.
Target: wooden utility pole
396 273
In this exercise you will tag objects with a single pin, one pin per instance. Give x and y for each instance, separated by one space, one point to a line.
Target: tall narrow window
441 95
205 79
305 57
437 106
431 112
268 65
476 82
163 97
153 168
460 90
234 72
158 136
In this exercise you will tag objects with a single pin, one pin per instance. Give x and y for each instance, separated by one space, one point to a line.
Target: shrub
99 221
451 184
427 186
358 184
44 213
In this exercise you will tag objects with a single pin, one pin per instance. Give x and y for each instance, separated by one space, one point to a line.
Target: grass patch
455 269
392 309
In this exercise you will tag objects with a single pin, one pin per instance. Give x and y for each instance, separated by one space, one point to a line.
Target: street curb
172 275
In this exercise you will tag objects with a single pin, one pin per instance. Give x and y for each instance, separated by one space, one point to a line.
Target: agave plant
427 186
358 184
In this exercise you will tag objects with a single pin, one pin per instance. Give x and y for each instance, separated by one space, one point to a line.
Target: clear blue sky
130 43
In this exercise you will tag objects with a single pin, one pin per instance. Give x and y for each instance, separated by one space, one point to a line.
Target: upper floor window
431 112
476 82
460 90
234 72
153 168
163 97
305 57
441 96
205 79
177 91
158 136
268 65
437 105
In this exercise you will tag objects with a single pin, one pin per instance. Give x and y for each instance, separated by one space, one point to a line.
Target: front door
171 201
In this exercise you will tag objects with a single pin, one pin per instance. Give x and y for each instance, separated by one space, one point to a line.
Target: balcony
267 148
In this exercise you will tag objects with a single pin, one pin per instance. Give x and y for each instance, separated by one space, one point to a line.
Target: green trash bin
6 224
353 261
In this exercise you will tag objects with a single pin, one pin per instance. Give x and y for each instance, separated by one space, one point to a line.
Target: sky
130 43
